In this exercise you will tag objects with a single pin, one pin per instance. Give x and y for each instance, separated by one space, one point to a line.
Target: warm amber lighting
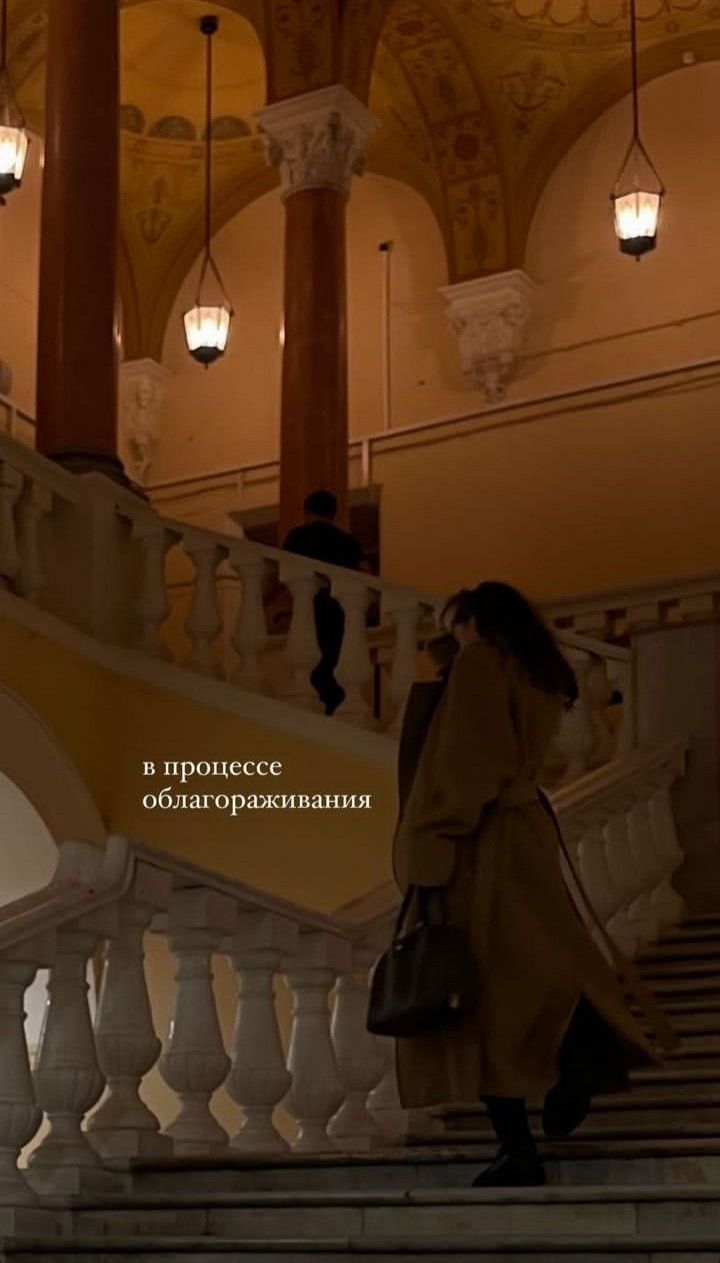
207 324
206 332
636 220
13 138
638 193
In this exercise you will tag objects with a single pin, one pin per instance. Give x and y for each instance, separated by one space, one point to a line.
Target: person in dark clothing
321 539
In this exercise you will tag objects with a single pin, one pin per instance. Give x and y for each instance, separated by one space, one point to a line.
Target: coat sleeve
474 754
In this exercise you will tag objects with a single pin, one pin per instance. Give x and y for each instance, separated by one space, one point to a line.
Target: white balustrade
194 1062
317 1090
384 1100
153 605
301 649
127 1046
250 634
624 928
576 737
11 484
403 610
259 1078
20 1114
649 867
34 504
354 670
203 623
358 1058
665 900
68 1079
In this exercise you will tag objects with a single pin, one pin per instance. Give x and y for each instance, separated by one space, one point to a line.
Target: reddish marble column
77 347
317 141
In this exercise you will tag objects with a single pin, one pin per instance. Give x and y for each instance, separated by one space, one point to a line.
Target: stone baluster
354 669
194 1062
599 692
649 867
621 679
404 610
317 1090
595 873
123 1126
34 505
623 928
576 737
20 1115
11 483
259 1078
384 1100
669 905
301 650
357 1056
153 606
68 1079
203 622
250 634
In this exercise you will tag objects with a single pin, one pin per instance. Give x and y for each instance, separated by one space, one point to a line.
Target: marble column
317 141
77 343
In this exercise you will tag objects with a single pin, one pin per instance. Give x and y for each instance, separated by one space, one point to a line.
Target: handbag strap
424 895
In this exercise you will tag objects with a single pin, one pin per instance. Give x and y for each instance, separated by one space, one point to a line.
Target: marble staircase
639 1183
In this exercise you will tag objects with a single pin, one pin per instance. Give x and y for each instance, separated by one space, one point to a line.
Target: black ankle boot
566 1107
519 1167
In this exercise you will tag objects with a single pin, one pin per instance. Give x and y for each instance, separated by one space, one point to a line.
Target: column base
90 462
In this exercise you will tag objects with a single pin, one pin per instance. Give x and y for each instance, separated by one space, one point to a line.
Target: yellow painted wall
109 725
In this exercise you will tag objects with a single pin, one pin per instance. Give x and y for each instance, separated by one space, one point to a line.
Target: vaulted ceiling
477 101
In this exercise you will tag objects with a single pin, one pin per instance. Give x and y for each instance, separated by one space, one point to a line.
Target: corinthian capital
317 140
488 317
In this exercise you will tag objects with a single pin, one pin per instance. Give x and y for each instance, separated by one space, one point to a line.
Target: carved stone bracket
488 316
143 391
317 140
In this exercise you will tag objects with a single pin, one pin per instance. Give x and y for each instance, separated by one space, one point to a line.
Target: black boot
566 1107
517 1164
519 1167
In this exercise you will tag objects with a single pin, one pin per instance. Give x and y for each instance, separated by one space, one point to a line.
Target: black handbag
426 980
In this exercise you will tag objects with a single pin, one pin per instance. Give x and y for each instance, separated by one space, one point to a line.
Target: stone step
678 1077
690 932
671 969
688 989
665 1108
456 1215
380 1250
682 949
667 1161
709 1004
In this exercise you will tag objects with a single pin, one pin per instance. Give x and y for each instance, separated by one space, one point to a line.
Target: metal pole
386 248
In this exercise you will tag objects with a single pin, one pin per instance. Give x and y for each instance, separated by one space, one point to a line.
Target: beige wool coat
473 821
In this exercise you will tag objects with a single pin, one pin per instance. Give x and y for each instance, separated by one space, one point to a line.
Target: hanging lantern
638 192
207 323
13 136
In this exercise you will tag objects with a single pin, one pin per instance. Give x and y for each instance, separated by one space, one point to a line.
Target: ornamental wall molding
489 316
143 388
317 140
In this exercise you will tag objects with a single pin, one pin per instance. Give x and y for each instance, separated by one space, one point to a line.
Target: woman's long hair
508 621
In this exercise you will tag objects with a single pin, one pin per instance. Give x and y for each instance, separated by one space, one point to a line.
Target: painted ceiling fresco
477 102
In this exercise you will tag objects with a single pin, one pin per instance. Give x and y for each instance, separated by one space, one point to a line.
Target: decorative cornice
317 140
488 316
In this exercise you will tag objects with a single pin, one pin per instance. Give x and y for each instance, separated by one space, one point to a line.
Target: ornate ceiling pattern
477 100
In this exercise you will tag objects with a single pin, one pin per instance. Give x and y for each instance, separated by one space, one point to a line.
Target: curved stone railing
335 1081
95 555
